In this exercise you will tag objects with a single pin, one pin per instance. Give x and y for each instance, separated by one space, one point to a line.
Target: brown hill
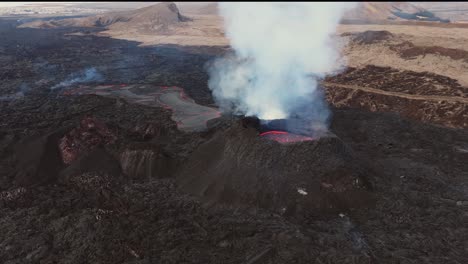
455 11
364 10
155 18
373 11
201 9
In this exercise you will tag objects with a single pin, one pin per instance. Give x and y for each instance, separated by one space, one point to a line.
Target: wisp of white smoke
89 75
281 51
23 88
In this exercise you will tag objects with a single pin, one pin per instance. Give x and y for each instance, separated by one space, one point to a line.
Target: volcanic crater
115 172
248 164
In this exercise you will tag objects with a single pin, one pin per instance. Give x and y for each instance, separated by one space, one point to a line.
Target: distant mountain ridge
201 9
364 11
379 11
154 18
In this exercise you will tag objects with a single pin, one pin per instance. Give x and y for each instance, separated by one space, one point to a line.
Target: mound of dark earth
408 50
423 96
238 166
64 137
369 36
155 18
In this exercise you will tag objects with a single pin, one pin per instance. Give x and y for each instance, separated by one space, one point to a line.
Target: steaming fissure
277 47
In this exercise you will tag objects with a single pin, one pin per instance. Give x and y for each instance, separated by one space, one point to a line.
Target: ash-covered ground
88 178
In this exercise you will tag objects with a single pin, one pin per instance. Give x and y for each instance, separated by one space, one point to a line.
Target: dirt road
398 94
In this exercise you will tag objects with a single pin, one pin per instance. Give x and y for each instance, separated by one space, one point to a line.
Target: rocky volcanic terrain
110 168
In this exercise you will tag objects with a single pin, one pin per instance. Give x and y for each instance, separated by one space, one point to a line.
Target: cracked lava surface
189 116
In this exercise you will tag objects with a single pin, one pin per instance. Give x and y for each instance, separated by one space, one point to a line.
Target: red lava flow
284 137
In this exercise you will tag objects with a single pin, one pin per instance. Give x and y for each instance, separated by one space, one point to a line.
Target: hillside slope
155 18
371 11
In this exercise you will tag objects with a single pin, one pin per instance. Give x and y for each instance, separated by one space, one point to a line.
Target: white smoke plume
11 97
89 75
281 51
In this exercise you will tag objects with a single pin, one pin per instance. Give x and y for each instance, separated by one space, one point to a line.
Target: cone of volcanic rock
239 167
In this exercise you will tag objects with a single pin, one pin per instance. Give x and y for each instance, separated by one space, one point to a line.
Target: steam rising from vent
89 75
281 51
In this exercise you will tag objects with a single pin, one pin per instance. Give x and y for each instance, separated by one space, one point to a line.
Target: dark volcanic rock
96 174
38 159
97 160
237 166
90 134
144 164
371 36
250 121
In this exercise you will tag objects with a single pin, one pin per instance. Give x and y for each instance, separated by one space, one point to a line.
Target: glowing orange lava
284 137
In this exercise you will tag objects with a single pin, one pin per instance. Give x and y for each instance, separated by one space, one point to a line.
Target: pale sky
10 4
